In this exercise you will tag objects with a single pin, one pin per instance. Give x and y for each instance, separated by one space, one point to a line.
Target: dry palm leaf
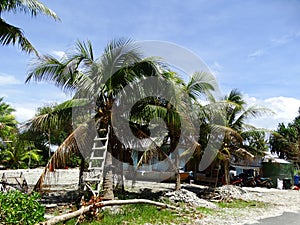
80 139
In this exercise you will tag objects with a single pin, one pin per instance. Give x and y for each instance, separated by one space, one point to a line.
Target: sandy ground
67 179
278 201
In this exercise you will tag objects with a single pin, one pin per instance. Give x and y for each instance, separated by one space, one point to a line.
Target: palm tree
10 34
8 122
179 128
96 80
236 128
101 81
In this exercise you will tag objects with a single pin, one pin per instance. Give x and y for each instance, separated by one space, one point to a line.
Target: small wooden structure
9 183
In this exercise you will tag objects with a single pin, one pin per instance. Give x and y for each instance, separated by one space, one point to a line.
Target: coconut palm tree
101 81
93 80
10 34
235 127
200 85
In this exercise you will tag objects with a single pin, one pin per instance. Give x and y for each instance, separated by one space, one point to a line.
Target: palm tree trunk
81 170
119 184
108 193
226 171
177 174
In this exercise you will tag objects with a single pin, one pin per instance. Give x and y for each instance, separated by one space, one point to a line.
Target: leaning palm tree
96 81
10 34
236 128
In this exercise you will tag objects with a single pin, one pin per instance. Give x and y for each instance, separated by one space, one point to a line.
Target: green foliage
8 122
18 208
205 210
46 128
73 161
255 142
135 214
286 139
238 204
20 154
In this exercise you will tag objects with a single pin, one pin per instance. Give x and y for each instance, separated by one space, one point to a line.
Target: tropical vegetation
8 123
16 151
103 79
20 208
285 141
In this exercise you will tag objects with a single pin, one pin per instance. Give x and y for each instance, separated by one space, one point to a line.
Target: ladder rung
99 148
95 168
95 157
92 179
100 139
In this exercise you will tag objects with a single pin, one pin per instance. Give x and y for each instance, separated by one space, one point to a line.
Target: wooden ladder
94 177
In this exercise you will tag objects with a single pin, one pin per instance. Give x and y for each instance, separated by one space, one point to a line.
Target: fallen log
83 210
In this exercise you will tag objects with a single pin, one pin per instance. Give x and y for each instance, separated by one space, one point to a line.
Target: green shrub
19 208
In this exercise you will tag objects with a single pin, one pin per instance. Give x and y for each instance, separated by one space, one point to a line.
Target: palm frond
201 84
56 118
248 113
33 7
61 72
81 138
235 96
10 34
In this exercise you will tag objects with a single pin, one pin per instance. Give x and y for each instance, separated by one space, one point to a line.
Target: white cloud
257 53
274 43
60 54
285 110
8 80
285 38
24 113
216 68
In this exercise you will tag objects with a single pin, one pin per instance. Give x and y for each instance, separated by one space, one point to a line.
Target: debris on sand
188 197
230 192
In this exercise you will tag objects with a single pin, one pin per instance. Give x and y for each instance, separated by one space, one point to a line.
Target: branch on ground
86 209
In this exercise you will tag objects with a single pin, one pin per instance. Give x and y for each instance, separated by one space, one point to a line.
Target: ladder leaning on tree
93 179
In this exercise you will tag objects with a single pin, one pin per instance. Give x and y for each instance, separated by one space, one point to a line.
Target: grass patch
238 204
134 214
205 211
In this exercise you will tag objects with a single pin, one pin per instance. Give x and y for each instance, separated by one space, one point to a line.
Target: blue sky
253 46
